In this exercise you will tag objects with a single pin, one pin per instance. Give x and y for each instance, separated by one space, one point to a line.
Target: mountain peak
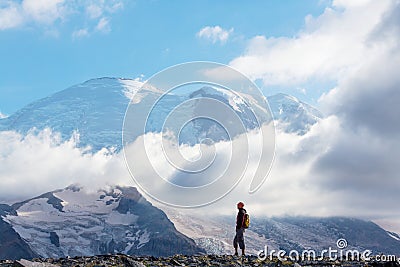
100 79
74 187
96 108
293 115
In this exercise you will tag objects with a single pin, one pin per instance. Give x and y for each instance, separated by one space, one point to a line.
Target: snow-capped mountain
292 115
95 109
193 114
74 221
321 233
215 234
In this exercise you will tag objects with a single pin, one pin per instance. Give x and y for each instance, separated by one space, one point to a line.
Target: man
239 238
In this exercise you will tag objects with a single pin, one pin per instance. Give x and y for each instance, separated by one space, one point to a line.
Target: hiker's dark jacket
240 218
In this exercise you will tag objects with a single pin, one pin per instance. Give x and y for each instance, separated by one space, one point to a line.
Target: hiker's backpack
246 220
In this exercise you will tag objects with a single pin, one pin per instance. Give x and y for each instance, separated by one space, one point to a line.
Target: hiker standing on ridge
242 222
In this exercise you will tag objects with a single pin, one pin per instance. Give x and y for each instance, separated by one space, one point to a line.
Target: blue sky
41 56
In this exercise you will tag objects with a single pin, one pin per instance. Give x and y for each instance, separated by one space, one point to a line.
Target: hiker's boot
236 252
243 254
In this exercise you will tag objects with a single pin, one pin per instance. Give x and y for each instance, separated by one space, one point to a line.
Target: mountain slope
95 109
215 234
308 232
72 222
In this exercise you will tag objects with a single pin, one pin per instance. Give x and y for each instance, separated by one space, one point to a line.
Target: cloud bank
321 173
40 162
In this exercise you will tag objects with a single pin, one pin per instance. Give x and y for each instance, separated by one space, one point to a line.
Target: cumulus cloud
366 98
326 48
215 34
15 14
44 11
363 158
10 16
40 162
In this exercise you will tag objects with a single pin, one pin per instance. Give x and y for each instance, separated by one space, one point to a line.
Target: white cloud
299 182
44 11
359 179
223 169
344 3
38 163
80 33
326 48
365 152
49 13
10 16
14 14
215 34
103 25
97 8
94 11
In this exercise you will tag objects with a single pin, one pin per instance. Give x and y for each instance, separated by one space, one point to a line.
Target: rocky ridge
73 222
182 260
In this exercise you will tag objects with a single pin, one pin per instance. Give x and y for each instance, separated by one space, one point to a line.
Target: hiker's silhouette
240 229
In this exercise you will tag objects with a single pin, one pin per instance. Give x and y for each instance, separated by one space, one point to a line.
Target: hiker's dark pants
239 238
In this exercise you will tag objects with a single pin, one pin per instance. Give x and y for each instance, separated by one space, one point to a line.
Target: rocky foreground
177 260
